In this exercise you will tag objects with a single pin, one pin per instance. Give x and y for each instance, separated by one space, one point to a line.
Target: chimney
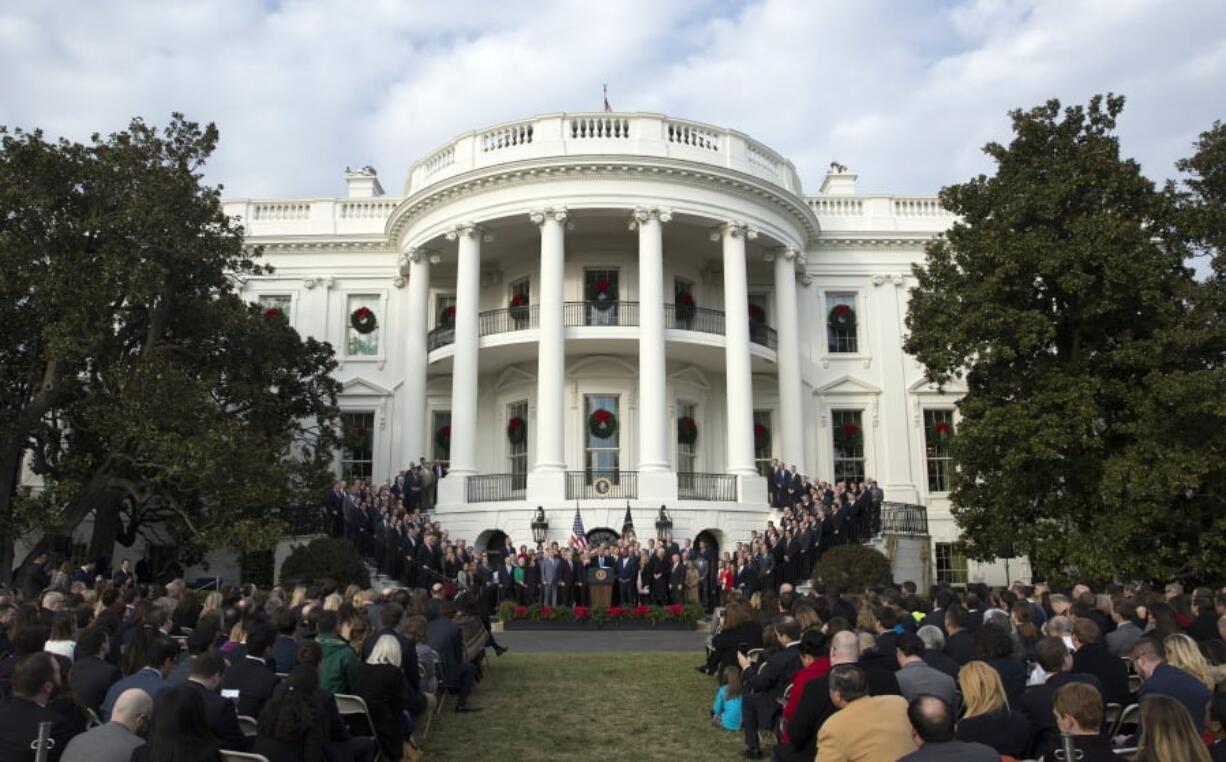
363 183
838 181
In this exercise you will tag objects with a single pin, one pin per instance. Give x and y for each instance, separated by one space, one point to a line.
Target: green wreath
602 423
517 430
363 320
848 436
842 316
602 294
442 438
687 430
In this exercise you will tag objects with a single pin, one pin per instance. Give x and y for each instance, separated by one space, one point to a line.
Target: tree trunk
10 472
106 524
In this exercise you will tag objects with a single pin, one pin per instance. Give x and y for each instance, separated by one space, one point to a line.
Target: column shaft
738 370
551 355
464 360
653 405
413 430
791 404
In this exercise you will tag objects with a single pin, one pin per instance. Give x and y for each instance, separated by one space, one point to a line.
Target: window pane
276 301
363 344
847 441
841 338
763 446
602 453
442 420
686 452
938 430
357 445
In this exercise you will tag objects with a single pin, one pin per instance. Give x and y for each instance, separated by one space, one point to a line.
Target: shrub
325 558
853 568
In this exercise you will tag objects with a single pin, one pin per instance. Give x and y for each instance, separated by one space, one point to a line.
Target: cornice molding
554 169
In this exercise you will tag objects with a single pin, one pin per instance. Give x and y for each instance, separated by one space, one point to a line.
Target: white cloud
904 93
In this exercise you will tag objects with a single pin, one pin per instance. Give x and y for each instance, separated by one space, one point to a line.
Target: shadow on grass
577 707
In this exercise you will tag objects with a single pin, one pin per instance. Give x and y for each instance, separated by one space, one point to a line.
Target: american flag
578 538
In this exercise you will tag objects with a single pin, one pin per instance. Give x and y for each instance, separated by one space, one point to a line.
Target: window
951 565
602 455
519 294
357 446
364 342
440 436
841 314
938 430
763 441
601 292
684 305
847 436
281 302
517 450
687 451
758 318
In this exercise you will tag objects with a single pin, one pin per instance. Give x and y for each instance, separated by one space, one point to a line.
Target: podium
600 586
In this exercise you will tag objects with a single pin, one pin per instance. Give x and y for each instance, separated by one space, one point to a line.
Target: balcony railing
597 314
696 486
680 317
488 488
575 314
902 519
590 485
508 319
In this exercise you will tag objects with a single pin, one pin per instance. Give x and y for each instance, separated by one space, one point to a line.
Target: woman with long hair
1023 623
63 640
1167 734
1162 621
1182 652
291 726
988 718
178 732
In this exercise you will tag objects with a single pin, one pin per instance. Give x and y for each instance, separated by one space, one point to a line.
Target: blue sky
905 93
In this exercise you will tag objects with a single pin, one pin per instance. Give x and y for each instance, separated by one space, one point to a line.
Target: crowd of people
986 674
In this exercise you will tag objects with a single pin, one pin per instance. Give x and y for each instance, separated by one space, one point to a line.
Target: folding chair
248 725
442 688
93 720
353 706
432 701
1130 719
754 654
241 756
1111 718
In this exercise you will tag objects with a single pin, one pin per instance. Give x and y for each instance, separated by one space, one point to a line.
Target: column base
452 489
545 486
752 490
658 486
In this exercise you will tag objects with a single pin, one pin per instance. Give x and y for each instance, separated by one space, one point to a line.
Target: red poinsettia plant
616 612
521 612
676 609
757 314
519 300
272 313
582 612
640 612
546 612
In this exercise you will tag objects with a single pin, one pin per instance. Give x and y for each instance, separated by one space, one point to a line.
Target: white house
617 309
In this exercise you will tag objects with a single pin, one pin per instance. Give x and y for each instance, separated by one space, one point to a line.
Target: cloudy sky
904 92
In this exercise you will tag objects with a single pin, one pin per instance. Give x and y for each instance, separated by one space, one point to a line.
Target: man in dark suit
944 598
1158 677
251 676
1092 658
92 675
123 576
932 726
429 561
1054 658
627 573
676 580
220 714
764 683
959 643
36 680
1127 631
443 635
151 679
746 577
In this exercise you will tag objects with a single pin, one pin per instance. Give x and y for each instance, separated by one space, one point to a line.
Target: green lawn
641 706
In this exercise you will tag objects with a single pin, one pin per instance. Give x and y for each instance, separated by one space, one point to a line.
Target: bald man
815 705
114 741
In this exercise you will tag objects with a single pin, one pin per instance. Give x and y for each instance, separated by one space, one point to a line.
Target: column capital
734 229
469 230
325 282
399 281
538 216
642 214
896 279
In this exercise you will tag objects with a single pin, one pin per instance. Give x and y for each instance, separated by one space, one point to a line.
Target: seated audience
178 732
916 678
1057 662
865 728
1092 658
147 671
798 741
36 682
114 741
766 681
338 670
988 718
1215 724
220 714
1078 709
1158 678
932 729
381 684
92 675
251 674
443 635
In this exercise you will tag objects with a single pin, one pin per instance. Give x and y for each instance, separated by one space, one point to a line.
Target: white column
464 360
787 354
413 428
653 403
892 445
657 481
547 480
738 371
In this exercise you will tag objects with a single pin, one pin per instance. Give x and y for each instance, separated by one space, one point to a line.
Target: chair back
1111 719
241 756
248 725
1130 719
93 720
352 706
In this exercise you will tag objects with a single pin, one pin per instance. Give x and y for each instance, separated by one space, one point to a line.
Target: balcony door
601 292
602 450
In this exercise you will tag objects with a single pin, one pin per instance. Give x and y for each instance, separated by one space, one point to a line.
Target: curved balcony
598 314
608 135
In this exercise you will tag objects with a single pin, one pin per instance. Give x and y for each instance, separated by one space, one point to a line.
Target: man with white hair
934 650
114 741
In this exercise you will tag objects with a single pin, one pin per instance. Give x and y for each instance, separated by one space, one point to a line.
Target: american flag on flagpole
578 538
607 107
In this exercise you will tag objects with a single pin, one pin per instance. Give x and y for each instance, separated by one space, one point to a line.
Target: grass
577 707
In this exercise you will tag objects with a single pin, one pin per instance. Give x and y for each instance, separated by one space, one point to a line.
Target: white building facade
618 310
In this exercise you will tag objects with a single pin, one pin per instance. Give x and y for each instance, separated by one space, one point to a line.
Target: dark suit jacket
940 661
1007 732
1111 671
90 679
19 721
771 677
725 642
443 635
1181 686
961 647
952 751
254 682
221 717
1036 703
381 686
408 654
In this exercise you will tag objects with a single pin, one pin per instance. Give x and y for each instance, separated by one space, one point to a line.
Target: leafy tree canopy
133 380
1093 431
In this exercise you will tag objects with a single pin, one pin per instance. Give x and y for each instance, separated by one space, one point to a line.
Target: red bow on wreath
944 428
850 429
362 313
519 300
602 416
685 298
273 313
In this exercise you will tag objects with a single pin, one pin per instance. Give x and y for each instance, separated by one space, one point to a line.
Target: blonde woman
333 602
298 597
1182 652
212 602
1167 734
988 719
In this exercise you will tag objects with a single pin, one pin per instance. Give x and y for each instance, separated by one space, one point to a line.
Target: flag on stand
628 524
578 538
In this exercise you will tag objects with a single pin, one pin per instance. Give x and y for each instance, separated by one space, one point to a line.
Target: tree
134 381
1092 428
